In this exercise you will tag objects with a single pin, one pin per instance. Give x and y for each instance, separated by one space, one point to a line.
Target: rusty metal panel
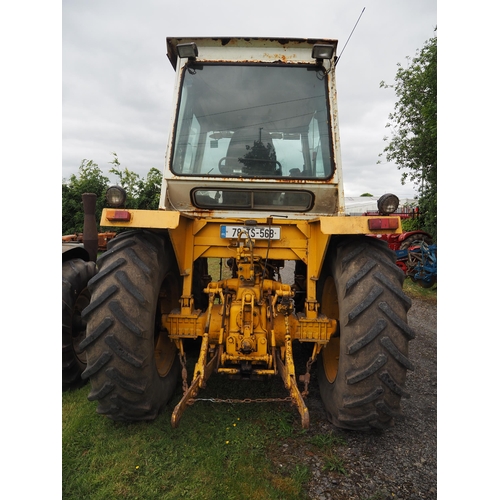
355 225
288 50
325 200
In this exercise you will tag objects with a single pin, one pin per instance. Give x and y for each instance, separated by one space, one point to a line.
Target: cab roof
250 49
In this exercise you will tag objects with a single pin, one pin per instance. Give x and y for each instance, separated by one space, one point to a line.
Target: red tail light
118 215
389 223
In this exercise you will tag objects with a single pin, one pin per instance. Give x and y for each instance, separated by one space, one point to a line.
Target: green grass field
219 451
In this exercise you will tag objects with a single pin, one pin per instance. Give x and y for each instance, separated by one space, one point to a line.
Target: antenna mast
338 58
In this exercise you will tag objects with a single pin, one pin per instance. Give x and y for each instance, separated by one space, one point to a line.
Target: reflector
118 215
389 223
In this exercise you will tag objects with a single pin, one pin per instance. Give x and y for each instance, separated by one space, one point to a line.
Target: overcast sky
117 83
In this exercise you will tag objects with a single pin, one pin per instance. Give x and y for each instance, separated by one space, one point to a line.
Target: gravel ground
400 463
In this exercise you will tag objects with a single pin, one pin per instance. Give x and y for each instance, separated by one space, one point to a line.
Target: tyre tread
76 274
396 353
371 335
367 301
120 334
368 370
123 352
374 335
118 312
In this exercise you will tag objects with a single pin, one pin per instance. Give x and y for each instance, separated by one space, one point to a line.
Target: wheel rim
165 349
331 359
415 240
330 308
426 284
165 352
329 302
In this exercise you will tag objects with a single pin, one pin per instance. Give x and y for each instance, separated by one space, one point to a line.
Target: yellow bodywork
250 322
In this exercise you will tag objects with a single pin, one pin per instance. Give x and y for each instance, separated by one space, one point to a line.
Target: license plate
255 232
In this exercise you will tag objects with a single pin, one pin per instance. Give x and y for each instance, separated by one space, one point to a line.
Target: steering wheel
223 169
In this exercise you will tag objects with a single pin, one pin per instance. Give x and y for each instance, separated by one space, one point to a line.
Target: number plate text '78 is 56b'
254 232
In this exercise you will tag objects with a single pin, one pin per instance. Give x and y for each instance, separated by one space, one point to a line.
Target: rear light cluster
389 223
116 197
118 215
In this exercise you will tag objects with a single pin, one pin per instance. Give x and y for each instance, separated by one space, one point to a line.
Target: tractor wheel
76 273
362 371
415 240
133 366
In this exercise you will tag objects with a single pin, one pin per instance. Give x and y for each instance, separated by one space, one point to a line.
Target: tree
149 190
413 145
128 180
90 179
143 194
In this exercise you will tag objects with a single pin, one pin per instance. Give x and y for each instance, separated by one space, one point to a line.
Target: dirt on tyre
76 274
132 365
362 370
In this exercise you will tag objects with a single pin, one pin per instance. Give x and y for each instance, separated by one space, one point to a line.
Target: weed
334 464
301 474
326 441
416 291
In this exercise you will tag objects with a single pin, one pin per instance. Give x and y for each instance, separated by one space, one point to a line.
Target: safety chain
247 400
185 386
306 377
303 378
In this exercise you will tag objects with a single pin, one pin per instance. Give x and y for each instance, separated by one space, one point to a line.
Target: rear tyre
415 240
362 372
132 363
76 274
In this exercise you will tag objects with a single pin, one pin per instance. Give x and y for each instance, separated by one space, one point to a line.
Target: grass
215 269
332 463
414 290
219 451
327 441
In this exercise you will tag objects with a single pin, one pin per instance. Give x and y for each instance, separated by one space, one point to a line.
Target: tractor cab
253 127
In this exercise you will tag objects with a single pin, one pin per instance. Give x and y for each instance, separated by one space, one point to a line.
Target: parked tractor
416 255
253 179
78 267
102 239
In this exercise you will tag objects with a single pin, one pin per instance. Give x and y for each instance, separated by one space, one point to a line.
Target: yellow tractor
252 180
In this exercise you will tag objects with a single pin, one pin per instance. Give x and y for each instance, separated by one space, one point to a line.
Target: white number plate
255 232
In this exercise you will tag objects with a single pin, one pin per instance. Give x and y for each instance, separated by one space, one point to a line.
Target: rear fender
406 235
74 251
